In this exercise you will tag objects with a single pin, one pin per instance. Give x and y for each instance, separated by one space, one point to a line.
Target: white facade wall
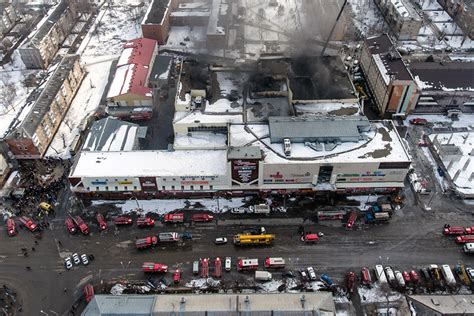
111 184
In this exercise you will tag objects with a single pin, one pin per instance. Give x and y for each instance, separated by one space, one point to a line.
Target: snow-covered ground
465 120
376 294
367 17
166 206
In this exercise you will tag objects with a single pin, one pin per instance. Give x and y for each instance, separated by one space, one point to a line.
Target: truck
260 209
331 215
454 230
326 279
377 217
274 263
71 227
380 275
217 267
88 292
11 227
468 248
151 267
310 238
145 222
351 220
147 242
123 220
253 240
168 237
247 264
171 218
205 268
464 239
102 223
263 276
28 223
448 275
81 224
202 218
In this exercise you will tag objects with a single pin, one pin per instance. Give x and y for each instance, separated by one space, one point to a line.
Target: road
412 239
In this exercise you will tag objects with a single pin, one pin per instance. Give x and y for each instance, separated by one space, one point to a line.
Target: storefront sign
244 171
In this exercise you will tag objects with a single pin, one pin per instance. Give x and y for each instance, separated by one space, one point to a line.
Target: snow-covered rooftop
200 140
337 108
151 163
382 144
203 118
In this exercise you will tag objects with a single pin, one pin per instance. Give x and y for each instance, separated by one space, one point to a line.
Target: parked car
311 273
68 263
406 276
228 264
220 241
195 267
365 276
414 276
238 210
470 273
418 121
350 281
186 235
75 258
326 279
304 275
84 259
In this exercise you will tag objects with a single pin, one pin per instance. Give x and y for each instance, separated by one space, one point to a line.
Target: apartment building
39 49
402 18
9 18
462 12
30 140
393 87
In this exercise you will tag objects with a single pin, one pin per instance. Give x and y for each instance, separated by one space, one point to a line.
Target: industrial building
394 90
446 87
401 17
31 138
38 50
317 303
156 22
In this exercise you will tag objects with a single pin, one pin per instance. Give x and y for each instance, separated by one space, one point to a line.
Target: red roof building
129 86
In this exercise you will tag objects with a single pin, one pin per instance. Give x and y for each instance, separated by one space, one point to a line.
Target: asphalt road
412 239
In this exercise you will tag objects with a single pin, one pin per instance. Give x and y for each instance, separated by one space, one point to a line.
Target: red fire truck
205 268
351 220
310 238
146 242
203 218
331 215
28 223
145 222
11 228
123 220
217 267
81 224
177 276
71 227
173 218
102 223
247 264
464 239
454 230
88 292
151 267
274 263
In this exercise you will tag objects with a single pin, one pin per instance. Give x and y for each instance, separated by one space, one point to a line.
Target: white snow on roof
382 145
203 118
151 163
121 83
382 69
124 57
222 106
200 140
422 84
327 107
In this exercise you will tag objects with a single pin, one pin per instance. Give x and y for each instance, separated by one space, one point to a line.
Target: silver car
311 273
228 264
68 263
84 259
75 258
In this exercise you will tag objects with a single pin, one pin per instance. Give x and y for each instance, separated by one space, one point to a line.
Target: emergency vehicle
145 222
217 267
102 223
274 263
173 218
71 227
151 267
11 229
205 268
247 264
253 240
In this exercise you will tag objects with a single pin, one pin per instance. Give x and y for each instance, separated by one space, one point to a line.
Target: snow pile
222 106
376 294
317 285
291 283
270 286
166 206
117 289
200 140
422 84
203 283
440 179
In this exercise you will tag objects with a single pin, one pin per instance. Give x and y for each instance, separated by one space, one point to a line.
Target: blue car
326 280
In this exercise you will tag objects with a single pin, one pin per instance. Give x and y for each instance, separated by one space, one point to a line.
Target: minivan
195 267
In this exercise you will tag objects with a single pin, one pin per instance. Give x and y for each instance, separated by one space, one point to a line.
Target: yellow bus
253 240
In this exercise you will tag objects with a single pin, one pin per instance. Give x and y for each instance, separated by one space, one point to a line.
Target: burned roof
160 67
156 11
383 47
441 75
111 134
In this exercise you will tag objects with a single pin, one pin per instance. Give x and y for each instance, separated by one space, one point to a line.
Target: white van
263 276
389 274
468 247
379 273
448 275
287 146
195 267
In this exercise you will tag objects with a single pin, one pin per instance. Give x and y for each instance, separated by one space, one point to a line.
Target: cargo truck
263 276
81 224
202 218
146 242
171 218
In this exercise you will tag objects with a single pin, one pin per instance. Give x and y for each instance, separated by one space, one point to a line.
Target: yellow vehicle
45 207
253 240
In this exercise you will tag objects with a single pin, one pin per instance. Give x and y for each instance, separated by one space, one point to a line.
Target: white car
470 273
228 264
68 263
220 241
237 210
75 258
84 259
311 273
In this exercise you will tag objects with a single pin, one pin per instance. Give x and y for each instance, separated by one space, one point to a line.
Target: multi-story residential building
30 140
156 23
9 18
394 90
39 49
462 12
401 16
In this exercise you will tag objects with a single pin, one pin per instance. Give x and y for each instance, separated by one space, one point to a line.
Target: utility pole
333 27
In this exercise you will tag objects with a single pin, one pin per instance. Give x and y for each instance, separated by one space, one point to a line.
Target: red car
102 223
365 276
310 238
454 230
145 222
406 277
414 276
464 239
150 267
71 227
418 121
11 228
123 220
88 292
177 276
